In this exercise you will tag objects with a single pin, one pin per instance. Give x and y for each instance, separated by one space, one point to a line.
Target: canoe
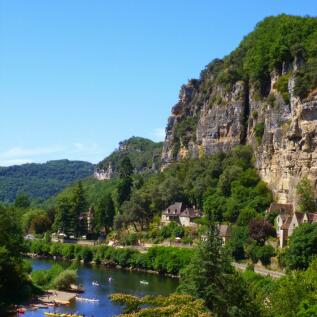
60 315
144 282
90 300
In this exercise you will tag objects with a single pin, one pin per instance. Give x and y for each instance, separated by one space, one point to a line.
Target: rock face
282 133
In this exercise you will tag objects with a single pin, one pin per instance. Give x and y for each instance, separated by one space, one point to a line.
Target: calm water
122 281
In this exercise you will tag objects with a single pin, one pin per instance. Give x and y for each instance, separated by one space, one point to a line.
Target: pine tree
305 196
105 212
125 185
80 206
210 276
63 216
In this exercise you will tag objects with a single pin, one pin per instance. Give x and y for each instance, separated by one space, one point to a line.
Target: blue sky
76 76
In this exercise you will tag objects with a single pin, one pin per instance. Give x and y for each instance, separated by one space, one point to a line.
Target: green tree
22 200
35 221
210 276
80 206
293 295
302 247
125 168
64 207
105 212
305 196
65 279
125 185
13 279
124 189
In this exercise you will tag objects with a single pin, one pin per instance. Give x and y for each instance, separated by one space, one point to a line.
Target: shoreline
108 264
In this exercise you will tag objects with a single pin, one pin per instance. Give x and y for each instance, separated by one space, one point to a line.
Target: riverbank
57 297
167 261
106 264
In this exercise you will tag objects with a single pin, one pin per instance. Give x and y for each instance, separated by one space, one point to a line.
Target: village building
181 214
287 220
280 208
224 233
102 174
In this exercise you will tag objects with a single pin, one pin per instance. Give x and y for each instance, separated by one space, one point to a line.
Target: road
261 271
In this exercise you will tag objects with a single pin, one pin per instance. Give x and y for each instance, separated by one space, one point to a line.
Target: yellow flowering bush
161 306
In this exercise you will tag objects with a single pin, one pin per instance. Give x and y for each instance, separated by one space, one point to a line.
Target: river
122 282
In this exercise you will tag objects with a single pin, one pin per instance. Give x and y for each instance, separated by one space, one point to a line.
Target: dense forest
273 45
41 181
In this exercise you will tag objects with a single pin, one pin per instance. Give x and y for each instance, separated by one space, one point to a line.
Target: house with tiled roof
181 214
280 208
288 220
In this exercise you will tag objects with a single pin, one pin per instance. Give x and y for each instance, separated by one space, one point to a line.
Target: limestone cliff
269 110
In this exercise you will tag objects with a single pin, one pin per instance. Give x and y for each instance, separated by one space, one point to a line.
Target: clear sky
78 76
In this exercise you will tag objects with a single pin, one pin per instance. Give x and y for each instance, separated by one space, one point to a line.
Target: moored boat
60 315
144 282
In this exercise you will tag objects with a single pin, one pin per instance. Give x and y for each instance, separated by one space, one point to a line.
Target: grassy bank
165 260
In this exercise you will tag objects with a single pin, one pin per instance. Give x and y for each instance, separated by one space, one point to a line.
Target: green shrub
130 239
282 87
271 100
255 114
259 131
86 254
44 278
172 230
64 280
264 253
302 247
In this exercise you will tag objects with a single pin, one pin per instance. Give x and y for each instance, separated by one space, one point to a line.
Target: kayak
60 315
90 300
144 282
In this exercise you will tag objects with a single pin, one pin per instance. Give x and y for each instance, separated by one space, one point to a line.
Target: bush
163 259
130 239
282 87
172 230
64 280
44 278
235 245
86 254
302 247
259 131
265 253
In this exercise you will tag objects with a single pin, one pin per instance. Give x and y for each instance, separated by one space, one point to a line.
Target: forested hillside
41 181
144 154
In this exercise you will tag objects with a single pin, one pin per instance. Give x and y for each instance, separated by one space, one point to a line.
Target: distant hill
41 181
145 156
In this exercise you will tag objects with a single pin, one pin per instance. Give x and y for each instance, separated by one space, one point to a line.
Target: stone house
287 221
225 233
181 214
280 208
